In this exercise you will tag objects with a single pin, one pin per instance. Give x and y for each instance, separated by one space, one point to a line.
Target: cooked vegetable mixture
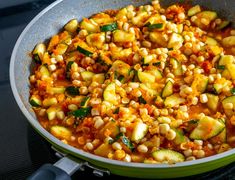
140 84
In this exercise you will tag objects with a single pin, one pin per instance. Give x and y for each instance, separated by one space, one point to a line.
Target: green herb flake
111 141
121 78
232 91
116 111
82 112
72 90
221 67
124 139
193 121
155 26
142 100
157 64
128 143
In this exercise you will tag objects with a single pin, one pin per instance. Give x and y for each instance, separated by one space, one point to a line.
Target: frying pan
40 29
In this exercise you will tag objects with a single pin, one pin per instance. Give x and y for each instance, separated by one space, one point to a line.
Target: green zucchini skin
109 27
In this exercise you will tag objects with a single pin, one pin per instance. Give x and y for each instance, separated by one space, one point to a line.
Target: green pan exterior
150 171
48 23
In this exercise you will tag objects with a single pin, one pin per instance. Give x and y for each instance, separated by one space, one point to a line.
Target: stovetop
22 150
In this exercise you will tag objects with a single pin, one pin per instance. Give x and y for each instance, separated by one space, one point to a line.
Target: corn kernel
142 148
203 98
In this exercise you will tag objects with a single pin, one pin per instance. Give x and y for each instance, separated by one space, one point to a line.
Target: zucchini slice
61 48
229 62
35 101
226 60
121 68
230 99
102 18
178 71
84 51
121 53
194 10
148 89
38 52
207 16
173 100
220 138
148 59
87 75
211 41
96 39
51 112
168 155
220 84
156 37
226 74
155 72
113 127
155 23
176 41
223 25
110 93
140 18
180 138
104 60
168 89
231 69
146 77
55 90
140 130
89 26
213 101
71 26
109 27
98 78
158 26
229 41
199 84
49 102
122 36
215 50
103 150
44 71
207 128
61 132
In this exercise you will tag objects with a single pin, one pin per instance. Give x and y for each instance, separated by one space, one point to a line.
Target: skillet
40 29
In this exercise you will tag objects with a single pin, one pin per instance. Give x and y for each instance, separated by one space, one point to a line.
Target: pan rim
72 149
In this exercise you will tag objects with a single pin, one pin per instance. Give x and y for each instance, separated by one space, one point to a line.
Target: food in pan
139 84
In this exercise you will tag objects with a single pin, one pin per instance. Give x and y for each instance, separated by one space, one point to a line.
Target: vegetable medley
140 84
